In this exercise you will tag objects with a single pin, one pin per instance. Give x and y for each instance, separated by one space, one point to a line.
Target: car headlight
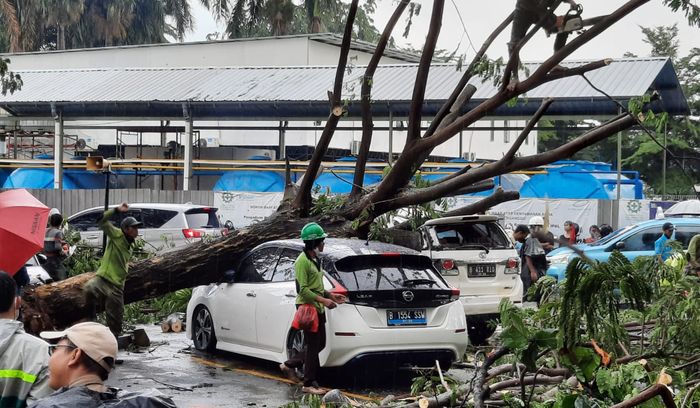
559 259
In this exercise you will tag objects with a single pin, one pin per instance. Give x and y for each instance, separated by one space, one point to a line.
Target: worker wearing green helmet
310 290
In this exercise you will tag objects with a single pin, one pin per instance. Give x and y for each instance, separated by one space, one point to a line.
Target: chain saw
574 22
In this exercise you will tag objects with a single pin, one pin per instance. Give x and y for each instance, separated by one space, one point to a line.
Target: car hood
582 247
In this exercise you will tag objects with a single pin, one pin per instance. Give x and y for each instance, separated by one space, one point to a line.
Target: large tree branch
502 166
302 202
416 109
367 81
468 74
535 80
528 128
544 69
499 196
648 394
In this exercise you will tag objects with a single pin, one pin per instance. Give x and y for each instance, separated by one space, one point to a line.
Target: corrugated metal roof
291 91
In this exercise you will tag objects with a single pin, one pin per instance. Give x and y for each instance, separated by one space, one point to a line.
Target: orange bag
306 318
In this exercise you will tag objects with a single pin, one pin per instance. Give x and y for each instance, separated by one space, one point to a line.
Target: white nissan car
473 253
399 309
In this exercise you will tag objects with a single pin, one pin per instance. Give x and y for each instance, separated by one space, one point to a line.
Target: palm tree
22 23
62 14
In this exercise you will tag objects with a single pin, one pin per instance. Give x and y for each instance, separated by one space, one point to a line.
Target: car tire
480 330
296 349
203 334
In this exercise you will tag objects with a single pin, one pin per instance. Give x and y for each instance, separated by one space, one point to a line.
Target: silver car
165 226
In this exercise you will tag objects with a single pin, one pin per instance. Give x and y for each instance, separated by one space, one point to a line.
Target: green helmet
312 231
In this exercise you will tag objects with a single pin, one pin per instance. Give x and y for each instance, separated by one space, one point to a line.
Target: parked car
632 241
37 273
165 226
399 309
474 254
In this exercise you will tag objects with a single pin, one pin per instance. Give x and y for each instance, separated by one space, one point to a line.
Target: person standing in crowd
309 282
23 358
595 235
661 247
106 289
537 230
693 255
533 260
54 249
570 233
605 230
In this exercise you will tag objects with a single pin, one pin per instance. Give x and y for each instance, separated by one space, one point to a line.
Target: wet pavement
221 379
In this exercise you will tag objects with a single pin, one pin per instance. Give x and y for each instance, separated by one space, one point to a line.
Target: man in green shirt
694 255
106 289
309 283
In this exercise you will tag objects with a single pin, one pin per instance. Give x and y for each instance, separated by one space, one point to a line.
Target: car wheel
203 333
479 330
296 349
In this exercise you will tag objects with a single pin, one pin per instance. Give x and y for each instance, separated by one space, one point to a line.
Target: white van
473 253
164 226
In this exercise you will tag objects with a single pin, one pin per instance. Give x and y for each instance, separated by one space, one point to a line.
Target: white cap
54 211
92 338
536 220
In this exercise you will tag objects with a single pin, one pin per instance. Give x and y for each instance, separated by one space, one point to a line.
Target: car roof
674 221
337 248
461 219
157 206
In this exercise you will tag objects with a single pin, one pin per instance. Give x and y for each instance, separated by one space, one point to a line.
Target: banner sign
243 209
582 212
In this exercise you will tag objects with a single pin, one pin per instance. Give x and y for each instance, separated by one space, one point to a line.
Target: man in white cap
80 362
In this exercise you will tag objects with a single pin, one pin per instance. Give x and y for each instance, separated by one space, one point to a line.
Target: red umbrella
22 228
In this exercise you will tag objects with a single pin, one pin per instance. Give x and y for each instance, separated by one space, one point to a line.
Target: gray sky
480 19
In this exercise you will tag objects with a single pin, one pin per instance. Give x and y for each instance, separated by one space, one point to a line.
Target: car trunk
202 221
483 273
393 289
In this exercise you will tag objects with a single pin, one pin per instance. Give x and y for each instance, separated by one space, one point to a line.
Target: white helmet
536 220
54 211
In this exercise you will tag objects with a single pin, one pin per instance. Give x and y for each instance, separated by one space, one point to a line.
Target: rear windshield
382 272
202 218
472 235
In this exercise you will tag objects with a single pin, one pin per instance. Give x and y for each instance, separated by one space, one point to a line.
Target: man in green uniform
106 289
309 282
694 255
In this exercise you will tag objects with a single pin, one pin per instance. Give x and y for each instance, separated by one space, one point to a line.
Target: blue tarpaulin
582 180
340 181
43 178
248 180
509 182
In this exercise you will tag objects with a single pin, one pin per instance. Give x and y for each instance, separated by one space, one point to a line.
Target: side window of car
285 267
685 233
259 266
87 221
642 240
153 218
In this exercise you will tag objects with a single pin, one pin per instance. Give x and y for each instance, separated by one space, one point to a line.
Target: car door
275 304
86 225
234 311
639 243
153 231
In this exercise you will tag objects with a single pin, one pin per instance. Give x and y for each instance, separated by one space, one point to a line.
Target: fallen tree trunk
58 305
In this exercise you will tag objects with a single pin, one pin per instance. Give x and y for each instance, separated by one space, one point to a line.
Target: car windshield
472 235
202 218
612 236
385 272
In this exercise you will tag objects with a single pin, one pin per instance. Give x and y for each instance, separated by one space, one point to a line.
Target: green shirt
694 252
309 282
114 265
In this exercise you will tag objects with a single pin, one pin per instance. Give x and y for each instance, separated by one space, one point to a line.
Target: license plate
481 271
406 317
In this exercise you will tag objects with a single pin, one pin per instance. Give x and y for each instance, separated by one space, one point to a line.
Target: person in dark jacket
54 249
80 363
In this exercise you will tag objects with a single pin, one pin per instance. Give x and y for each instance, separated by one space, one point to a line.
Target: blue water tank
40 178
251 180
340 181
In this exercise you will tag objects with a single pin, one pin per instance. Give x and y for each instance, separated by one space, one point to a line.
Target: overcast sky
624 36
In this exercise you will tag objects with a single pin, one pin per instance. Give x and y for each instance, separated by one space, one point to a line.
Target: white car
474 254
37 273
164 226
399 308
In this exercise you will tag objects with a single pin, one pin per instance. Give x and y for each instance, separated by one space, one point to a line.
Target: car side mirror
620 245
229 276
41 258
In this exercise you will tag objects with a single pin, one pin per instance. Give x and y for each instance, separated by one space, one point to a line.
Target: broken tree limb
510 155
499 196
482 373
516 382
656 390
366 97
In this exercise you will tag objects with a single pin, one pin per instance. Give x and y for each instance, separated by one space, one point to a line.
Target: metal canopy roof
301 92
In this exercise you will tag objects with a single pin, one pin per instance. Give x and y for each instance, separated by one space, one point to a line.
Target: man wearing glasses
23 358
